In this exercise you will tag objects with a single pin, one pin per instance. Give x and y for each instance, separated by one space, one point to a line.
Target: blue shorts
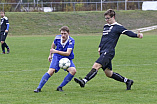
55 64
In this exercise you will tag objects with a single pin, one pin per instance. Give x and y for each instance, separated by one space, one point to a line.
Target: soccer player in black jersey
4 32
111 33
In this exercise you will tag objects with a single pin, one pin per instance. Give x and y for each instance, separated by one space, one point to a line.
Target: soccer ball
64 63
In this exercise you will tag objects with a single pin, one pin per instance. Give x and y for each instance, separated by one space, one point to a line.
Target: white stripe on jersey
114 24
124 31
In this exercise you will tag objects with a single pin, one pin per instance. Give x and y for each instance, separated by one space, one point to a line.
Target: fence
70 6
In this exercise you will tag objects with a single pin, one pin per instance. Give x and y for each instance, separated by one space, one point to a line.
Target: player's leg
3 44
89 76
102 61
44 79
71 72
8 49
93 72
109 73
3 47
54 67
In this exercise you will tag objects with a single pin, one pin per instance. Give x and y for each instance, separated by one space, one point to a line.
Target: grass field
22 69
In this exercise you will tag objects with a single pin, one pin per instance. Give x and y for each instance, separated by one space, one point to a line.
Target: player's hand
139 35
52 50
6 31
50 58
99 50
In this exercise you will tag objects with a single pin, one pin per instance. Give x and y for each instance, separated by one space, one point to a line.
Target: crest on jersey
107 30
70 42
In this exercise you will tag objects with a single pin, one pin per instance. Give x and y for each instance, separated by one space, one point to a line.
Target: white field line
78 68
145 29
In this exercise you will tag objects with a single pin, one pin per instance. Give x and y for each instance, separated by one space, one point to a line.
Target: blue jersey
111 34
4 24
69 43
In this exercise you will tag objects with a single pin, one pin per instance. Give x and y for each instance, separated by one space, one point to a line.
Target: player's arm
50 55
67 53
132 34
7 23
7 28
101 43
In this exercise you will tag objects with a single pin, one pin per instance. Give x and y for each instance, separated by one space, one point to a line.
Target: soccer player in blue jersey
62 47
4 32
111 33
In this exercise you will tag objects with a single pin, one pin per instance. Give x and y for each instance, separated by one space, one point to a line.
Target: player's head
64 32
2 13
110 16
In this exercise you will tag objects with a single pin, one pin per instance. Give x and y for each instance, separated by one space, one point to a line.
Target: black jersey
4 23
111 34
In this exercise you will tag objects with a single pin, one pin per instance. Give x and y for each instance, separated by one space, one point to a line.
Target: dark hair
3 11
110 12
65 28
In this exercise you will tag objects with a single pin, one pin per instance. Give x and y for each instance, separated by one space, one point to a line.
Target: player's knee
51 71
97 66
108 72
2 42
72 71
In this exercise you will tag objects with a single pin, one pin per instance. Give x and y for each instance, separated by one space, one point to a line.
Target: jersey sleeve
6 20
130 34
123 30
71 44
55 40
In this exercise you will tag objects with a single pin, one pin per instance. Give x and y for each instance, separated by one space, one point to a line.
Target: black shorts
3 36
105 60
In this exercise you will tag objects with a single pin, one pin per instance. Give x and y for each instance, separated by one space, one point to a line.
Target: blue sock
44 79
67 79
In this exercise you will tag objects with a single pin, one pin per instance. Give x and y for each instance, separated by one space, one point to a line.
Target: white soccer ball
64 63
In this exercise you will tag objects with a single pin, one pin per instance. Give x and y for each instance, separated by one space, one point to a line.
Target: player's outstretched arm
67 53
132 34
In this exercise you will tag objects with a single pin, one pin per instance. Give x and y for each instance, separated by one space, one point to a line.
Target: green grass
22 69
39 23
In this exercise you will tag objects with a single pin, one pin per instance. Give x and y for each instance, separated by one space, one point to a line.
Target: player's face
65 35
109 19
2 14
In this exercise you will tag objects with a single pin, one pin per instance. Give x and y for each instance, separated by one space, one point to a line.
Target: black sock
3 47
91 74
118 77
